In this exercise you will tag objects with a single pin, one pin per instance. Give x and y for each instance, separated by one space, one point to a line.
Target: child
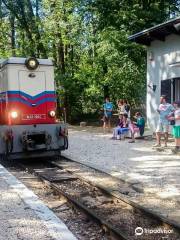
123 128
176 127
137 126
108 108
119 125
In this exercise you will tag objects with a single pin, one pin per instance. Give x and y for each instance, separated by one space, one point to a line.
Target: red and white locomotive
28 125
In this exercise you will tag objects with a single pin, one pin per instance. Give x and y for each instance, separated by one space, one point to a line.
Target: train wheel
66 142
9 146
3 158
57 157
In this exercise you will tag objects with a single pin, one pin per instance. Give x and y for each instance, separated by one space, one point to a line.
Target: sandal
156 145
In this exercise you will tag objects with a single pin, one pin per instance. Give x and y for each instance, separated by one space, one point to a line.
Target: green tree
87 41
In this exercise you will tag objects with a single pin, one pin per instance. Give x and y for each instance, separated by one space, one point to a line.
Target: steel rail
121 196
118 234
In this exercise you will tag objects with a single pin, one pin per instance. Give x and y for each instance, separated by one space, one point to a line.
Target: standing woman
108 107
176 127
120 105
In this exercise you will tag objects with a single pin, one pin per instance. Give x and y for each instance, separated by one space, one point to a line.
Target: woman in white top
120 105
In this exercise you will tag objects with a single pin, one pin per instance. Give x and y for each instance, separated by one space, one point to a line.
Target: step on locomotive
28 123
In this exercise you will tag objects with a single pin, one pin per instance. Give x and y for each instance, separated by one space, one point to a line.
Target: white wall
162 54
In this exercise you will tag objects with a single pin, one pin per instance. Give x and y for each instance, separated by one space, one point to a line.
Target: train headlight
52 113
31 63
14 114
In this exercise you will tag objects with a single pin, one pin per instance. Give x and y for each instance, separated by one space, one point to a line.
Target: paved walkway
24 216
155 174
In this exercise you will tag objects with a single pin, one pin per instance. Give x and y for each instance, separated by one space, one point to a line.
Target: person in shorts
165 110
108 108
176 127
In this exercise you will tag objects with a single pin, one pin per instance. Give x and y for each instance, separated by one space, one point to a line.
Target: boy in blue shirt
107 107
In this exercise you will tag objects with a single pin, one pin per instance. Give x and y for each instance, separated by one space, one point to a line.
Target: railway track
116 216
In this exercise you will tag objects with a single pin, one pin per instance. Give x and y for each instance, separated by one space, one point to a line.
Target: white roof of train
18 60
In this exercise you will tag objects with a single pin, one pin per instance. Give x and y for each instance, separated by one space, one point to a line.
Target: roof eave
159 32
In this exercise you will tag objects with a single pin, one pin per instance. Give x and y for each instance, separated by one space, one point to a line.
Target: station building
163 65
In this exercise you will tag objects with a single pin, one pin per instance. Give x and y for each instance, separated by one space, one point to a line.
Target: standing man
165 110
107 107
127 108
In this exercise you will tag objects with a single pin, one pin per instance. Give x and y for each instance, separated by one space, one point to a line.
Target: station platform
154 175
24 216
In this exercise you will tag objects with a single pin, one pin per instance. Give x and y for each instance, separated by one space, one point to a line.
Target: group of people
168 115
125 124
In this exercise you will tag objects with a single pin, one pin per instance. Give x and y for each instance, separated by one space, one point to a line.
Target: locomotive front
28 123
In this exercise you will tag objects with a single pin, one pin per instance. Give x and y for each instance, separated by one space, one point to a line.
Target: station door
171 88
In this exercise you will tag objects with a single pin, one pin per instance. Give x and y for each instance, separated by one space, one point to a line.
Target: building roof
158 32
18 60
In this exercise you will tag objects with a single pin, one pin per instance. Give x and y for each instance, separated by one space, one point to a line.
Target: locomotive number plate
33 116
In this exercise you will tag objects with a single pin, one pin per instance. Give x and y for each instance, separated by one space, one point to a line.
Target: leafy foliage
87 41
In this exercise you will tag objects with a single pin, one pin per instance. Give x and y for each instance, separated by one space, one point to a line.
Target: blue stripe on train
29 96
44 100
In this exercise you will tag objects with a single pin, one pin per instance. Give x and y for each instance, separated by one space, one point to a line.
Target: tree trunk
37 8
13 47
61 58
106 91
